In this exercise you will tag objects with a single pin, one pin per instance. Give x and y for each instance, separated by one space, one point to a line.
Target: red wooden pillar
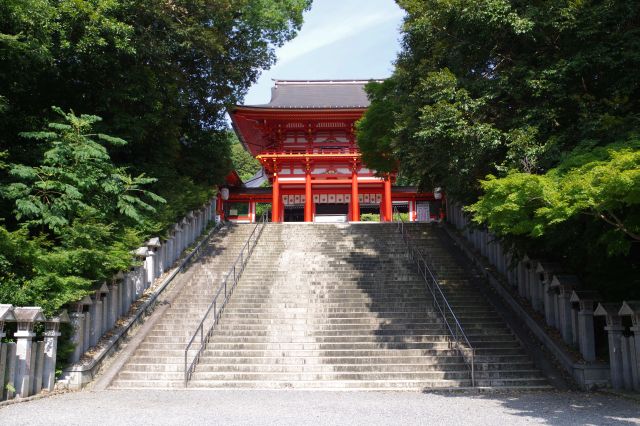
275 204
355 200
388 210
308 198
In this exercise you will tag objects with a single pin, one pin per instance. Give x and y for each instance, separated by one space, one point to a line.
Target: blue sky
352 39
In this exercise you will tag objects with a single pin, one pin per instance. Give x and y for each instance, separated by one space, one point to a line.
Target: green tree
603 183
161 75
243 162
78 213
542 97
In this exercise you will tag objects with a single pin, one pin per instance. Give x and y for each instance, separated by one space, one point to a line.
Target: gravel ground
194 407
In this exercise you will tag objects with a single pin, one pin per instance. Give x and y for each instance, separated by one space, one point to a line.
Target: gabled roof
311 94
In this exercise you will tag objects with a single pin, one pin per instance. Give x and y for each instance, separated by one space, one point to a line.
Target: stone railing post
564 285
26 318
113 303
168 253
104 298
184 234
586 335
521 276
154 246
86 303
142 254
7 372
545 272
95 310
51 334
632 308
511 269
531 283
78 323
614 330
179 238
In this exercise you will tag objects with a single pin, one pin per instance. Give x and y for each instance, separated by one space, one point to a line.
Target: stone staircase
159 360
500 360
332 306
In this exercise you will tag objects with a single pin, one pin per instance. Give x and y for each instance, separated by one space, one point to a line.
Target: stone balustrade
28 366
565 306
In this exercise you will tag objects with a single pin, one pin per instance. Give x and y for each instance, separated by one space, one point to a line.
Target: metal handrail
457 335
216 307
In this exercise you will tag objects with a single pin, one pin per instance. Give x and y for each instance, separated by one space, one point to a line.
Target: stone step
302 365
210 352
258 358
335 307
328 346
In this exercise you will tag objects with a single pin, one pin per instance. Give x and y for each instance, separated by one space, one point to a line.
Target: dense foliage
243 162
161 75
81 210
531 112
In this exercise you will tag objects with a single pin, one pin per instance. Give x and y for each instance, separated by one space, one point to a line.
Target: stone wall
557 297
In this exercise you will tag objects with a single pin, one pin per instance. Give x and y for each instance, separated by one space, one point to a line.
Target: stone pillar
142 256
95 310
586 336
168 253
632 308
26 318
188 228
614 330
152 259
564 285
178 241
77 338
86 342
114 302
128 286
51 334
535 289
104 298
522 273
545 273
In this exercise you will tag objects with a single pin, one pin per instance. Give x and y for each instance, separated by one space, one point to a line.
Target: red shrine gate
305 140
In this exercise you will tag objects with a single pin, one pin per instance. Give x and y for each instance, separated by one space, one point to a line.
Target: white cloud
329 33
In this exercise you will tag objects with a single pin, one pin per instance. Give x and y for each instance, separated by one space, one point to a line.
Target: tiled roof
317 94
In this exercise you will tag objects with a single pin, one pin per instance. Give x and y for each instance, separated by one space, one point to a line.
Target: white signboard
422 210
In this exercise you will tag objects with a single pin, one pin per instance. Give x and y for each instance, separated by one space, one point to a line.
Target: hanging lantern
437 193
224 192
